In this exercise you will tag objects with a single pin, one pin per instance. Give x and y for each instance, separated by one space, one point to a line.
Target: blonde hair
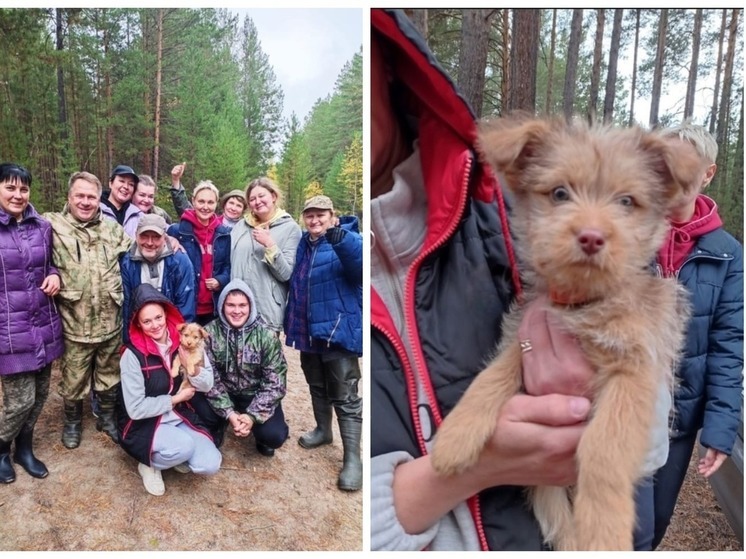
86 176
701 139
267 183
202 185
146 180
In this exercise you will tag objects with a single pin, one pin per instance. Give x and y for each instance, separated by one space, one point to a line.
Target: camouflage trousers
85 364
24 395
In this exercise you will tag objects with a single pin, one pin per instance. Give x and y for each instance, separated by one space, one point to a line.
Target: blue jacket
709 392
221 247
330 293
178 283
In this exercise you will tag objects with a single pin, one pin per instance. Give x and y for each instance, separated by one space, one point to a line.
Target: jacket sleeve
222 271
281 258
273 386
724 381
204 380
349 250
185 295
127 289
138 405
180 199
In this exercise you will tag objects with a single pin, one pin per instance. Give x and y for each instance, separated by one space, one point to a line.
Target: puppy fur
590 206
191 354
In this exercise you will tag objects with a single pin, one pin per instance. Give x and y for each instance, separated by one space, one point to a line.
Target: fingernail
580 407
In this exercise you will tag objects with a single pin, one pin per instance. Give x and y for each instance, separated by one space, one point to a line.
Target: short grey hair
698 136
86 176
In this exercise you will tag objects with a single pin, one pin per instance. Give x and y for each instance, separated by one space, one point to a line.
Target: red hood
144 295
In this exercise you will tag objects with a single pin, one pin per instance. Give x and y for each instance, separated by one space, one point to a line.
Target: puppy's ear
677 164
509 144
180 327
204 333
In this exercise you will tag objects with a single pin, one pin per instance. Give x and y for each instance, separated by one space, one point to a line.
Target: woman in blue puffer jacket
324 320
30 326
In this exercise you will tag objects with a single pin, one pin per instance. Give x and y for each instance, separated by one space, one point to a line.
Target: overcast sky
307 49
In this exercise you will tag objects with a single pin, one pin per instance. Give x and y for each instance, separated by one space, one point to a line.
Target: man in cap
116 202
152 260
86 250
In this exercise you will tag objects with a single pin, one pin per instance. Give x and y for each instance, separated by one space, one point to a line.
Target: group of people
107 284
443 274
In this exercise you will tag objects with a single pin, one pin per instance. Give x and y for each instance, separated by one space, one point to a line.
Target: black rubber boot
351 476
322 434
106 421
7 473
73 428
24 454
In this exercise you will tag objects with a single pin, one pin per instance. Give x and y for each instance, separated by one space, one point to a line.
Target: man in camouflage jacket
250 370
86 250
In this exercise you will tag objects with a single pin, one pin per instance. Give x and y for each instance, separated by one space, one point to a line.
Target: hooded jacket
709 382
326 293
457 288
248 361
221 264
266 271
87 257
132 214
30 326
177 281
139 416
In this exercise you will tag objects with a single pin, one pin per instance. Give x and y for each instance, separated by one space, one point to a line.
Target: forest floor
94 499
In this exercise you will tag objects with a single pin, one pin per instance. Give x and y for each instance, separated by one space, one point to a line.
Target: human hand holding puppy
536 434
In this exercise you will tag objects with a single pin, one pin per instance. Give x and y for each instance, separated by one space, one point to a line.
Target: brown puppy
590 208
191 355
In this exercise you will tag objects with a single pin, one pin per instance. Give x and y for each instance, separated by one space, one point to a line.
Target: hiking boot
73 427
107 400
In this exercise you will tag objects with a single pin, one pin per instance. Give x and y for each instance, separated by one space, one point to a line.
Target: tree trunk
419 18
573 47
596 70
634 69
655 99
691 84
505 86
724 114
158 87
475 34
109 101
550 70
609 98
61 102
718 71
524 54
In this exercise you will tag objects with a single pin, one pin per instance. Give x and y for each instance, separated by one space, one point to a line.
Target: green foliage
295 171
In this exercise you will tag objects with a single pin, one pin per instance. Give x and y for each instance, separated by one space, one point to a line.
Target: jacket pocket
71 295
117 297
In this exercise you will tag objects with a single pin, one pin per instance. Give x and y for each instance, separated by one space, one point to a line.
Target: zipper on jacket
336 324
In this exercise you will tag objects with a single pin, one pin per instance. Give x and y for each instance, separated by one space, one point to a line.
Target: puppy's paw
455 449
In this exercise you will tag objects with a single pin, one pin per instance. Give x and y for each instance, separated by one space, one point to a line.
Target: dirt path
93 498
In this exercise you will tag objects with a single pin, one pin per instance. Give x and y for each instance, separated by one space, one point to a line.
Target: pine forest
653 67
87 89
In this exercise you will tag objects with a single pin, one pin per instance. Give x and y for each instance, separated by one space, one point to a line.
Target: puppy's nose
591 240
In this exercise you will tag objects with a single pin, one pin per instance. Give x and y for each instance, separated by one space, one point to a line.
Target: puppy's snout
591 240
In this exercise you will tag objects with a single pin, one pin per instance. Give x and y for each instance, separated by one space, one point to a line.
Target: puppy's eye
560 194
627 201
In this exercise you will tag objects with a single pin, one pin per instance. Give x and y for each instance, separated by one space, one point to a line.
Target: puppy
191 354
590 206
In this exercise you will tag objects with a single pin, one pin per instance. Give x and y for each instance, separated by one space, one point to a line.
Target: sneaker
183 468
151 479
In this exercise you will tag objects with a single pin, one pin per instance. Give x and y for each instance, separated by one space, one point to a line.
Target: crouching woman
157 425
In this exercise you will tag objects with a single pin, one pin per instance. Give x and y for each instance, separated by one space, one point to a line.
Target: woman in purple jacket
30 327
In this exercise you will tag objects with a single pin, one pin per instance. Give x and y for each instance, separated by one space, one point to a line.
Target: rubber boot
351 476
24 454
73 428
107 401
7 473
322 434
